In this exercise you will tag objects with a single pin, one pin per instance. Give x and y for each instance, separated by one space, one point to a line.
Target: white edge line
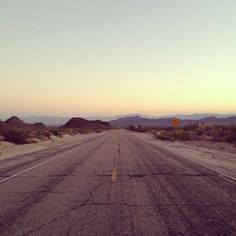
200 164
32 167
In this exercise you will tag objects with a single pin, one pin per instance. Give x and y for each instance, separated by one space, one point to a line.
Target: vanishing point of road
114 184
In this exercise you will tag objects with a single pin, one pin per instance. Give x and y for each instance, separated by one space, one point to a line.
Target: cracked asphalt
153 193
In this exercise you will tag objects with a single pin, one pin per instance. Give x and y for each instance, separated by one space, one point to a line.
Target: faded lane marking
32 167
113 178
114 173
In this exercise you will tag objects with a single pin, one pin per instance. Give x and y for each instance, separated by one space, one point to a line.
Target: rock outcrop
87 125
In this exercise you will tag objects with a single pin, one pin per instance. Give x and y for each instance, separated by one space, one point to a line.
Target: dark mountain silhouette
166 122
39 125
60 120
222 121
16 122
90 125
197 116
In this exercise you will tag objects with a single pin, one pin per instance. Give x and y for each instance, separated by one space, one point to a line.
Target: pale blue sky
110 57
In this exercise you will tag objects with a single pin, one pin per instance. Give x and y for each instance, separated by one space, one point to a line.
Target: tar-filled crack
166 174
202 210
87 202
137 175
91 193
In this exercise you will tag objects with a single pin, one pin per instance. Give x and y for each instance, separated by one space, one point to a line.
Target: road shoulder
9 150
221 162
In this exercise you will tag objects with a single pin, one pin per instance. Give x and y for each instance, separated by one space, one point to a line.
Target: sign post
175 122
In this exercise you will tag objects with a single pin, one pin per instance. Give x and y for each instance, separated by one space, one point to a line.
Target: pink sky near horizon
84 58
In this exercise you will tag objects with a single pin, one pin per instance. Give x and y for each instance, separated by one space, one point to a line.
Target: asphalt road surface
115 184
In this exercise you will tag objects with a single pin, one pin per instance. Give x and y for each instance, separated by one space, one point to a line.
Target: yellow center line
113 178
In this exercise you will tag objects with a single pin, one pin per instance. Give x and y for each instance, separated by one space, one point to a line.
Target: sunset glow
117 57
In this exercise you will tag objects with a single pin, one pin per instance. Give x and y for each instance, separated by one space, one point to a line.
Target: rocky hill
87 125
16 122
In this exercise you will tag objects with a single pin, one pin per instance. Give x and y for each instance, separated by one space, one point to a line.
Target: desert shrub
231 137
71 131
56 132
170 135
153 132
131 127
219 138
42 134
199 132
182 135
163 135
141 129
16 136
232 128
65 132
85 131
190 127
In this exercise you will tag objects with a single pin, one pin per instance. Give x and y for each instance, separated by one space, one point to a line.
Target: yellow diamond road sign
175 121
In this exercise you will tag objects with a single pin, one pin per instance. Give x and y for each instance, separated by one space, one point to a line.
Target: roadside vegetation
27 135
16 131
195 132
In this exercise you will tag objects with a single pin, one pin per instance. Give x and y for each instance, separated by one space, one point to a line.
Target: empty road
115 184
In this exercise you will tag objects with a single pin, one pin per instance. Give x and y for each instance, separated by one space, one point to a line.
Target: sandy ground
8 150
220 158
226 147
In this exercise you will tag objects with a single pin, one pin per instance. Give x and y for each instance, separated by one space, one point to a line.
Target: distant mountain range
58 121
198 116
133 119
166 122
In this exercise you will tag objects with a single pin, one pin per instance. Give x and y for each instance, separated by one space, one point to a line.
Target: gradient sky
105 57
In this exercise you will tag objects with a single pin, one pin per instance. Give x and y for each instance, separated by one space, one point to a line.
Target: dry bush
231 137
41 134
56 132
190 127
153 132
17 136
182 135
163 135
85 131
70 131
131 127
215 133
